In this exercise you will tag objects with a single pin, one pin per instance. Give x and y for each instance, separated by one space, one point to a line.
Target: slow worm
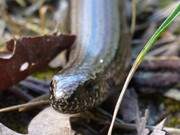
97 59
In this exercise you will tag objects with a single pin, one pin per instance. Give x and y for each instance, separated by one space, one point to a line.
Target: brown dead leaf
50 122
47 122
22 57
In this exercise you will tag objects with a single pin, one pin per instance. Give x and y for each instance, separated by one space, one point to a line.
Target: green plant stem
140 58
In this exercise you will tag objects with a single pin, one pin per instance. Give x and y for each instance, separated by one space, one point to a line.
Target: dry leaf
22 57
158 129
47 122
141 124
50 122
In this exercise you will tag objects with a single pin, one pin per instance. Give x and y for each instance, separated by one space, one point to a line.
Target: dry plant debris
157 79
29 54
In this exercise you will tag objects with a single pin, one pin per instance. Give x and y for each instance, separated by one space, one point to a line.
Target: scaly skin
97 59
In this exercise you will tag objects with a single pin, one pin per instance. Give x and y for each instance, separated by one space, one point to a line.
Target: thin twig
129 126
27 105
40 98
20 93
130 75
133 18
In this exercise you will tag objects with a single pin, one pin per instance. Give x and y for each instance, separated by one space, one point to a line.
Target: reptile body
97 59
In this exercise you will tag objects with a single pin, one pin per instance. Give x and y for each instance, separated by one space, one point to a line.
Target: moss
173 122
46 74
173 107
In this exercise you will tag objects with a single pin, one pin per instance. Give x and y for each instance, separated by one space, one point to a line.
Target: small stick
41 89
161 63
20 93
26 105
133 18
40 98
156 79
129 126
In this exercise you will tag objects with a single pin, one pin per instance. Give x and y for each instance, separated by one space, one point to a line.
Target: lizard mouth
69 95
69 106
81 100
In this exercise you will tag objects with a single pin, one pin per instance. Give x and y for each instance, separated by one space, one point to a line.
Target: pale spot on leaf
24 66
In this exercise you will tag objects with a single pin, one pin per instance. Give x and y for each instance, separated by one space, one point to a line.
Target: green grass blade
156 35
140 58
